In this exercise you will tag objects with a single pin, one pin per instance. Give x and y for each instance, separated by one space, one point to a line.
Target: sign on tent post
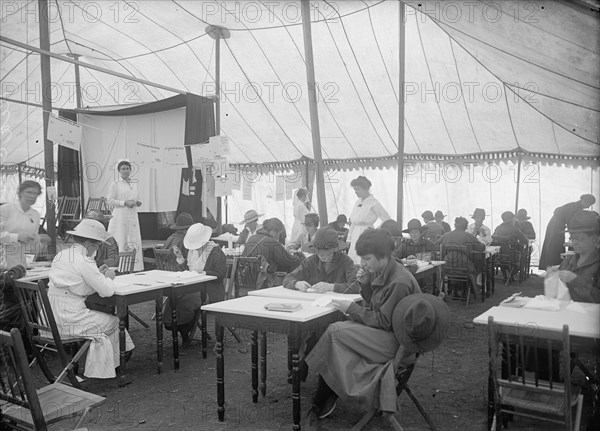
64 132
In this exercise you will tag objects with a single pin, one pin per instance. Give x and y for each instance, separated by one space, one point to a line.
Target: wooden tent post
78 104
314 113
401 77
518 181
46 109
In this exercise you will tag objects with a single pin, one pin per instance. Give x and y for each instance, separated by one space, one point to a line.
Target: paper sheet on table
582 307
541 302
325 301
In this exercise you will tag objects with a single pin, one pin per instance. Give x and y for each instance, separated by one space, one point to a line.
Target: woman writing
125 226
73 277
203 256
365 213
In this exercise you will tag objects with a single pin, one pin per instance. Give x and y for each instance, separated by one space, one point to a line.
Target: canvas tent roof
481 78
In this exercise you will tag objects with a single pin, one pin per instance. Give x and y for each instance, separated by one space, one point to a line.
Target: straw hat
183 221
196 236
420 321
250 216
91 229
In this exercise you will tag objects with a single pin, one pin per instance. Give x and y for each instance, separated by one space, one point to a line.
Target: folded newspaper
541 302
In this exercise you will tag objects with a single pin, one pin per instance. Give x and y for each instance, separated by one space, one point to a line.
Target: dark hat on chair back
508 216
522 215
427 215
420 322
584 221
478 212
183 221
413 224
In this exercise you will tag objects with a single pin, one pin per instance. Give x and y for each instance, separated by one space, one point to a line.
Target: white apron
364 214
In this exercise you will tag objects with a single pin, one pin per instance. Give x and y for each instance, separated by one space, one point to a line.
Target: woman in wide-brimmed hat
175 241
524 225
581 271
250 223
74 276
205 256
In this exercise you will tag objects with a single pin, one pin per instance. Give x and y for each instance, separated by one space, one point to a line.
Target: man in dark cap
509 231
304 241
432 230
439 217
339 225
554 240
525 225
478 229
416 244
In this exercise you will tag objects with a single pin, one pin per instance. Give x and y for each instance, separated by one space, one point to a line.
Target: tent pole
314 113
46 109
78 104
518 181
217 32
46 52
401 77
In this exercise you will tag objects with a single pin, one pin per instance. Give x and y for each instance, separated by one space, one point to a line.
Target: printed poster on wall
64 132
147 155
174 156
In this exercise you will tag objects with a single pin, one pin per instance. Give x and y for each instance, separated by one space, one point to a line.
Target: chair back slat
70 208
166 260
127 261
245 273
17 383
97 204
527 352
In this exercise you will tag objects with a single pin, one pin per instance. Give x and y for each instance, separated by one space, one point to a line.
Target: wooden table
249 312
584 328
283 293
151 286
436 265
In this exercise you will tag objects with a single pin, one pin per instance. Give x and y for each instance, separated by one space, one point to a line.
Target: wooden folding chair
25 408
97 204
245 274
521 392
126 264
509 258
166 260
68 216
456 270
43 333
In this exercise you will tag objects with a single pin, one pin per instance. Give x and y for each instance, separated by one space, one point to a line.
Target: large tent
484 81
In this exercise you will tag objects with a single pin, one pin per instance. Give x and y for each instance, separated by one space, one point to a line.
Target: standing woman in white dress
365 213
123 198
300 210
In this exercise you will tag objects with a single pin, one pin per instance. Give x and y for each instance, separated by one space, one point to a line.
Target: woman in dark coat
554 240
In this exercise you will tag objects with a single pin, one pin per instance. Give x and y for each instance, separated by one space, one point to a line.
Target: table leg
294 343
263 363
491 407
289 360
483 282
220 372
204 333
254 346
122 313
174 330
159 333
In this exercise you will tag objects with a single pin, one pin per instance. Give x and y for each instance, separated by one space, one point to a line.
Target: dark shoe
328 407
311 422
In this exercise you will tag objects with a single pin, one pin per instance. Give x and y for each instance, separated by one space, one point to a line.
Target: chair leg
420 407
394 422
69 368
578 412
138 318
235 335
80 420
364 420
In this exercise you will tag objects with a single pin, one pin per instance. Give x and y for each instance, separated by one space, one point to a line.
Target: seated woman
106 257
304 241
581 271
203 256
266 243
350 354
73 276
